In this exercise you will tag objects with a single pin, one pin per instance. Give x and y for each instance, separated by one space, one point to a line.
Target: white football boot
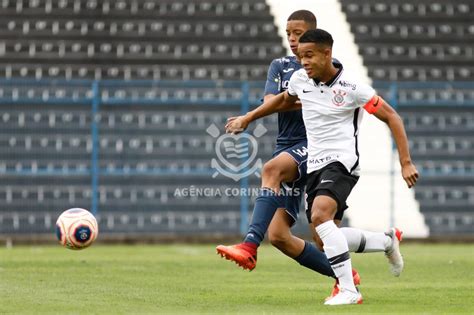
345 297
393 254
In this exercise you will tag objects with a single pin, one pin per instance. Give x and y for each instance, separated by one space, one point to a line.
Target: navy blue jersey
291 128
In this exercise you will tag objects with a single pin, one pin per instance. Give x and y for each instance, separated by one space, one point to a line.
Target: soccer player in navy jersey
332 100
285 172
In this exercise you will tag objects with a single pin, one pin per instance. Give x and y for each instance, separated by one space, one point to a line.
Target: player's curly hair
304 15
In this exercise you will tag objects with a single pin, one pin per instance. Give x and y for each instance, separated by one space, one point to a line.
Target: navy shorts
293 192
333 181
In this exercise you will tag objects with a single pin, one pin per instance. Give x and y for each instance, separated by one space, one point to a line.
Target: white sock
337 252
361 241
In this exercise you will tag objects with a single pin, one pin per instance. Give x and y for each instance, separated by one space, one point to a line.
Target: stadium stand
421 42
147 153
152 138
148 147
73 39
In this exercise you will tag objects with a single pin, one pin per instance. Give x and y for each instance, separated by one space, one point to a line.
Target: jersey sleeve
273 84
292 86
366 98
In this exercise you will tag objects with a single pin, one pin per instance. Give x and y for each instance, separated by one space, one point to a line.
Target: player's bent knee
322 212
271 170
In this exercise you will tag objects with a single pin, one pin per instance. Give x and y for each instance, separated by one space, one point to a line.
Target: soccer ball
76 228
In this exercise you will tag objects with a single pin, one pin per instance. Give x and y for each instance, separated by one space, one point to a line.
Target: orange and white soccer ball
76 228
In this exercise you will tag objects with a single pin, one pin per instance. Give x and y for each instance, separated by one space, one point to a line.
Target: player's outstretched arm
279 103
389 116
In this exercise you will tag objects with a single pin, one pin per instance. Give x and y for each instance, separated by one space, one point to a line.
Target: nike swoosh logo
326 181
304 91
288 70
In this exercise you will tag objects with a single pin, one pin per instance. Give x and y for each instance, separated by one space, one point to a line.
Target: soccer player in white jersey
285 172
332 102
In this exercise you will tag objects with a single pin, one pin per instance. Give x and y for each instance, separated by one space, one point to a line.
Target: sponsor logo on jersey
283 60
347 84
323 160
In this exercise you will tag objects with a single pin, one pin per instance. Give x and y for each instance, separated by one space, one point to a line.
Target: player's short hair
319 36
304 15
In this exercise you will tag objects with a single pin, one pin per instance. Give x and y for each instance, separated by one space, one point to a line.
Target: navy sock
311 257
265 207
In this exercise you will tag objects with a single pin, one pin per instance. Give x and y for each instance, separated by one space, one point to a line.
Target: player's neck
329 74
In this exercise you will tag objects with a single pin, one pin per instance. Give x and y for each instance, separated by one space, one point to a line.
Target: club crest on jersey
338 98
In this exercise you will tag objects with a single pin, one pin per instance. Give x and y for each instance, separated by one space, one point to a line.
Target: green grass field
438 279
